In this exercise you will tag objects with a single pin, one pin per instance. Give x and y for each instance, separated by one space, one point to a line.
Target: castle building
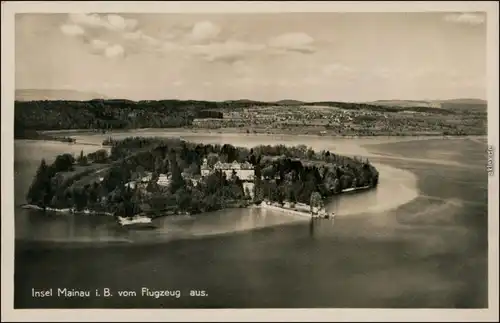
245 171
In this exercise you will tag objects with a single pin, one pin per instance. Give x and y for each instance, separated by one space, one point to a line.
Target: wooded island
156 176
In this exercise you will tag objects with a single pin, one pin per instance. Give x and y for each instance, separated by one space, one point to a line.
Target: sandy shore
284 210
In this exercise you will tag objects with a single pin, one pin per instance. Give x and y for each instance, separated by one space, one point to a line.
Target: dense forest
98 181
110 114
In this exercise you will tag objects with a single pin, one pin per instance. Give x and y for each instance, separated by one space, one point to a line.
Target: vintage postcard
326 161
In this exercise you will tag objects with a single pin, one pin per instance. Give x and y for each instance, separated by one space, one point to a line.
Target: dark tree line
106 114
209 114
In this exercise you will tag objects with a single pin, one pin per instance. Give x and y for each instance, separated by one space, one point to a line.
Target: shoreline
62 142
289 211
252 205
239 132
65 211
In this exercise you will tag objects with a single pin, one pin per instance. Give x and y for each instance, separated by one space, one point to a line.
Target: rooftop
233 165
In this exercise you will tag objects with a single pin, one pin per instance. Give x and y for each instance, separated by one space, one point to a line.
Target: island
150 177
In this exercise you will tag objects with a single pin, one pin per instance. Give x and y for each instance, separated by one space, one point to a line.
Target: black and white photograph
169 156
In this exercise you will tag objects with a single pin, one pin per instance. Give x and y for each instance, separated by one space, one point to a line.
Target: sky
262 56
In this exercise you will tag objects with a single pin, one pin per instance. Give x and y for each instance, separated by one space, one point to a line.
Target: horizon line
106 97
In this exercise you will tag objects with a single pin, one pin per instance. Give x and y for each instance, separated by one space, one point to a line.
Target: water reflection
321 227
39 226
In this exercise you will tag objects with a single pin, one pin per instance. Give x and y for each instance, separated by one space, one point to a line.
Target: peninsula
153 176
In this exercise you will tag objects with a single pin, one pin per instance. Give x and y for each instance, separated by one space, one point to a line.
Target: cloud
229 51
204 31
89 20
116 22
114 51
72 30
466 18
133 35
139 35
297 42
99 44
110 22
104 26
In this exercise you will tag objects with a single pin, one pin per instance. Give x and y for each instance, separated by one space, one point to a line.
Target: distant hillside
290 102
406 103
42 95
465 105
461 105
465 101
245 102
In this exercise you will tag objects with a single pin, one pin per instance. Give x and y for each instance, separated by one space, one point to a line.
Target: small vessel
324 215
330 215
136 222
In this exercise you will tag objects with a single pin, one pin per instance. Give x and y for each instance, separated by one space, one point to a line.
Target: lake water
418 240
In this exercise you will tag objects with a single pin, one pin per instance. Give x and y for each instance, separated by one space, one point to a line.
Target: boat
330 215
324 215
136 222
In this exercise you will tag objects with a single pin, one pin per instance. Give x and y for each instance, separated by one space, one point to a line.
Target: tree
223 158
63 163
196 200
280 195
292 196
234 176
329 181
310 154
40 189
194 169
316 200
158 167
247 192
141 172
336 186
82 159
177 179
101 156
212 159
269 172
345 181
80 198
